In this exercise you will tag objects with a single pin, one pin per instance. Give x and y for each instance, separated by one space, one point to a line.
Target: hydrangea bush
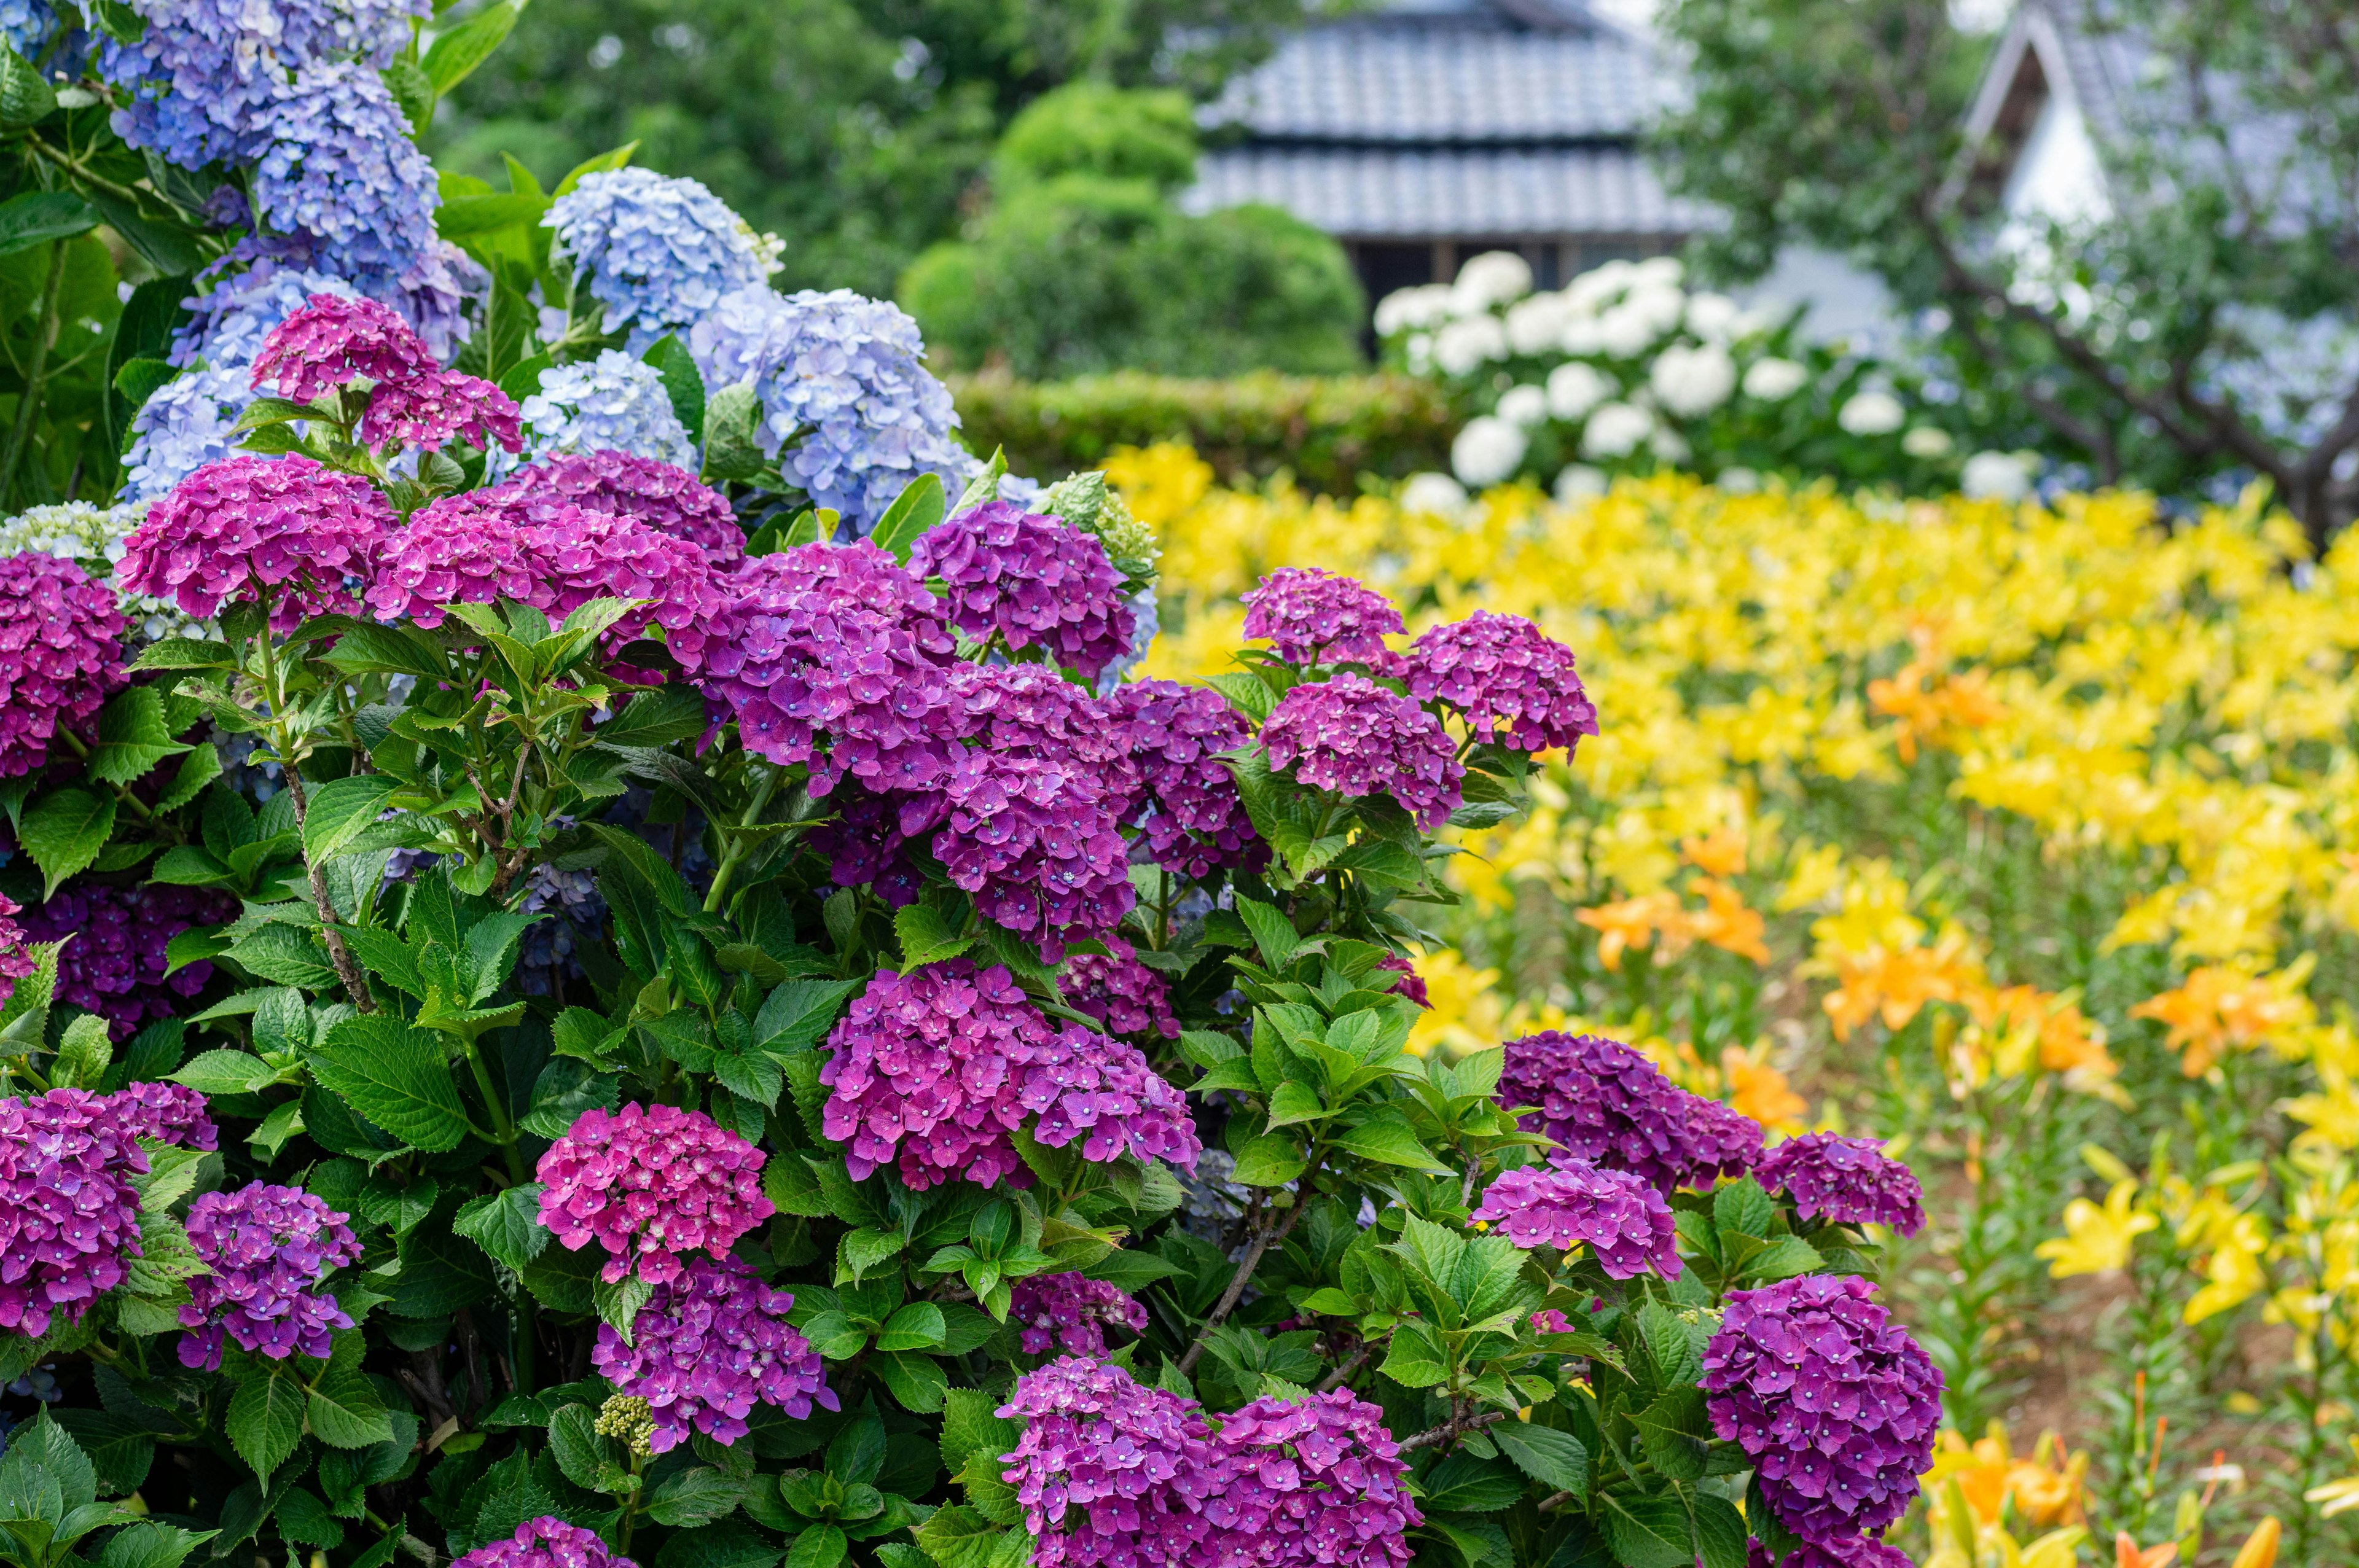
590 1009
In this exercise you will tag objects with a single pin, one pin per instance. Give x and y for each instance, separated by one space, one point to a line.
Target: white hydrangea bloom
1492 278
1926 441
1692 381
1579 482
1467 344
73 530
1668 446
1583 335
1614 430
1712 316
1773 380
1631 328
1871 414
1574 388
1404 308
613 403
1537 325
1659 271
1523 405
1487 451
1434 493
1739 480
1592 290
1997 476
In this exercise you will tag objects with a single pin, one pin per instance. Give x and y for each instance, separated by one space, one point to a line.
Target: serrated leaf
862 1250
1742 1209
918 1381
505 1224
926 937
340 809
1553 1458
1270 1161
63 832
1388 1140
265 1418
344 1407
1648 1531
396 1076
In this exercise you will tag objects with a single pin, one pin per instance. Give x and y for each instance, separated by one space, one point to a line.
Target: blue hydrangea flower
849 408
187 423
611 404
27 24
658 252
341 166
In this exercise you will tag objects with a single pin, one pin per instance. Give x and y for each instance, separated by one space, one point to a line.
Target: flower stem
28 402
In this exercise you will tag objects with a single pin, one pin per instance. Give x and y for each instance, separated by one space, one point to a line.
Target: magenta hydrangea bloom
115 966
1120 992
1510 681
1110 1475
1070 1311
832 656
545 1543
1411 984
334 339
167 1113
930 1071
863 842
1844 1552
269 1247
1031 710
69 1215
1190 817
1608 1105
1351 736
648 1184
1309 617
1315 1481
1626 1223
1845 1181
449 554
15 960
60 654
1035 842
246 527
1549 1320
669 500
708 1347
1037 582
430 409
1835 1404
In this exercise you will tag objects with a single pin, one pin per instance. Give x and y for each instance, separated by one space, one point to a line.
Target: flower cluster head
333 340
1625 1222
659 252
1845 1181
60 654
1031 710
1124 995
930 1071
1110 1475
1189 816
832 656
269 1247
1510 681
1070 1312
1844 1552
1035 840
436 408
1411 984
1835 1404
1608 1105
165 1113
286 529
613 403
545 1543
1354 737
186 423
706 1348
653 491
117 962
15 961
1035 581
1318 1480
69 1215
847 405
649 1183
1312 617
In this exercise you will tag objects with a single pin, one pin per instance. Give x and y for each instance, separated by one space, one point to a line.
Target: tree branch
1264 1239
1456 1426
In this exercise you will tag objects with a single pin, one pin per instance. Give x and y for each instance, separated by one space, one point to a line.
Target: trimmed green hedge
1330 431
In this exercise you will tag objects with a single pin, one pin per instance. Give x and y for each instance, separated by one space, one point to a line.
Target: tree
2155 344
853 131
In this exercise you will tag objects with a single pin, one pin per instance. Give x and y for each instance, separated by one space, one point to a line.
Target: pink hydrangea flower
1070 1311
167 1113
1110 1475
1309 617
60 654
429 410
333 340
1624 1223
545 1543
282 530
1845 1181
1190 814
1312 1481
1510 681
1031 710
669 500
1036 843
269 1247
1037 582
1844 1552
707 1347
69 1215
1120 992
1351 736
15 960
649 1183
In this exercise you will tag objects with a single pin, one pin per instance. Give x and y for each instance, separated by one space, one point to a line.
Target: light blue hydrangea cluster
611 404
27 24
659 252
849 408
187 423
339 165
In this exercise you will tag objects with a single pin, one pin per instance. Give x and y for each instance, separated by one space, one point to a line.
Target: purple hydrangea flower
659 252
16 962
1845 1181
545 1543
1510 681
932 1070
1844 1552
1123 994
167 1113
1191 819
337 164
666 498
832 656
1351 736
449 554
68 1216
1314 1481
648 1184
334 339
1625 1222
60 654
429 411
1031 710
1835 1404
708 1346
1110 1475
612 405
1035 842
1070 1311
269 1247
1035 581
1309 617
1606 1104
239 528
115 966
1411 984
863 842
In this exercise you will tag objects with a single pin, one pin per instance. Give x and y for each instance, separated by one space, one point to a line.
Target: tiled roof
1373 192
